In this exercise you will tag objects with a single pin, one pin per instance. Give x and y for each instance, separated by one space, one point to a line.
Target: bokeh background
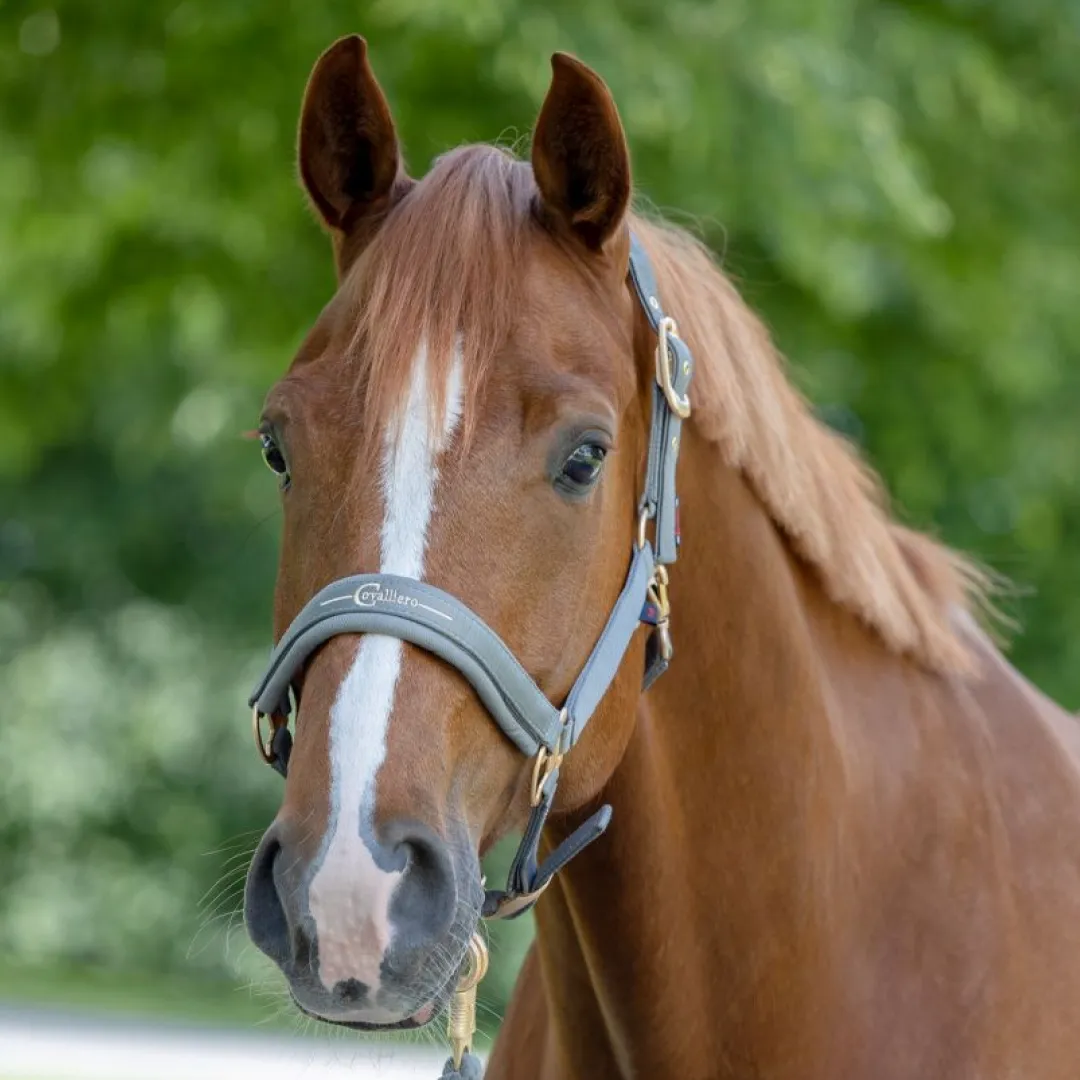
895 185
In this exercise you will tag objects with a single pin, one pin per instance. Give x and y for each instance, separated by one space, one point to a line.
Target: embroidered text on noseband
375 595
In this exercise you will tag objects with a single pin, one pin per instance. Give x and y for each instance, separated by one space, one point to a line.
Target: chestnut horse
846 834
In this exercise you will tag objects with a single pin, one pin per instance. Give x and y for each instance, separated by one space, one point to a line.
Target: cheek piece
434 620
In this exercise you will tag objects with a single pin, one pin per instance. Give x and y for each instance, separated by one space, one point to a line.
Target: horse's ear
579 153
348 148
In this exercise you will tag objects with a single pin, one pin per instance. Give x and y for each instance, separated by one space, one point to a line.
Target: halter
432 619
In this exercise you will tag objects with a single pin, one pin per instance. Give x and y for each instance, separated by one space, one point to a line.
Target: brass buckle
266 751
546 762
680 406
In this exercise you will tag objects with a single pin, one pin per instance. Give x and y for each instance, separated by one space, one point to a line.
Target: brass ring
476 964
547 761
267 755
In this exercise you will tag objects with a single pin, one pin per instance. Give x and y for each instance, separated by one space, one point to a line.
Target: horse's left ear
579 153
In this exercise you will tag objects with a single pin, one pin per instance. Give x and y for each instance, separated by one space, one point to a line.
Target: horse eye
274 458
582 468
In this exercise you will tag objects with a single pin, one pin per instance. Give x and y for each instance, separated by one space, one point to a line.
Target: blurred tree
893 185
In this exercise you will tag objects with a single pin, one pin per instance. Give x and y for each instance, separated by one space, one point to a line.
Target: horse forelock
443 271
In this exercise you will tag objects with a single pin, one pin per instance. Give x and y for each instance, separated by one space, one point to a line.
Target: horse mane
820 493
443 273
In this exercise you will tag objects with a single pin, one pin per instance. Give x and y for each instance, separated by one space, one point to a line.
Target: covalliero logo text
373 594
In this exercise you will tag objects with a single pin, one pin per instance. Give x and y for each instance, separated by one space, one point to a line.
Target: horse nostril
264 913
425 902
420 854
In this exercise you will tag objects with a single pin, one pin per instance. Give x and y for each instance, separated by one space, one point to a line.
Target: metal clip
461 1023
658 594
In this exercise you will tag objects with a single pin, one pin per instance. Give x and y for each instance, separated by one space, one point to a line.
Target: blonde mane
818 491
445 268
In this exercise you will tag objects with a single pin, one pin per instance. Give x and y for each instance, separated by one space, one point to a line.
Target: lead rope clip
461 1022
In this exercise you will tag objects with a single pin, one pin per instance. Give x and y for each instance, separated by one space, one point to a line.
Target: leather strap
658 499
643 280
528 877
430 618
437 621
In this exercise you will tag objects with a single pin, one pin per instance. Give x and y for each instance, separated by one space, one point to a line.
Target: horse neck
700 902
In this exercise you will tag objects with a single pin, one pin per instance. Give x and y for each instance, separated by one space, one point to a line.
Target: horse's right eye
272 455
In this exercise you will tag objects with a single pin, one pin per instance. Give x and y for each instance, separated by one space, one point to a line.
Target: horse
845 833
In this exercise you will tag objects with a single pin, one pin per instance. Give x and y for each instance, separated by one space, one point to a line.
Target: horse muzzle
373 935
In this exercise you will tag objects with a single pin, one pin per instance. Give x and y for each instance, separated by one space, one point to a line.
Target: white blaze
350 895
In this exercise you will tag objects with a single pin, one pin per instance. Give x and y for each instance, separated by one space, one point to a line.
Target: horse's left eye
582 468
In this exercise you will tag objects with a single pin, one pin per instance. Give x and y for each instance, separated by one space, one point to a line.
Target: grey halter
440 623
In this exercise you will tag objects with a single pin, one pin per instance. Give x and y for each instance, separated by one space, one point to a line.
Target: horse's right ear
348 148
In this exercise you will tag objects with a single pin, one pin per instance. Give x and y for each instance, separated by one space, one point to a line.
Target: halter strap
670 406
434 620
444 625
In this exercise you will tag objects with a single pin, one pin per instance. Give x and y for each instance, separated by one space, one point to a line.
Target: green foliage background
895 185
